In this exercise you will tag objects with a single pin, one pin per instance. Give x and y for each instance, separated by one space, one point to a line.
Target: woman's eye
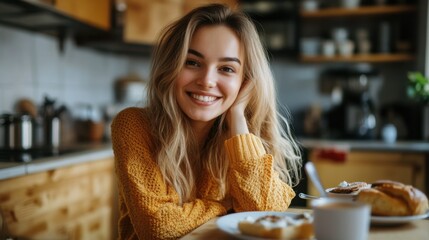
227 69
192 63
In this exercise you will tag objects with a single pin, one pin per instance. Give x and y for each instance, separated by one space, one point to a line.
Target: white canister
389 133
346 48
310 46
328 48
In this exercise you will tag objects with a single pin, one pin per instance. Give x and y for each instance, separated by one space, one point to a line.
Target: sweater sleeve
254 184
150 208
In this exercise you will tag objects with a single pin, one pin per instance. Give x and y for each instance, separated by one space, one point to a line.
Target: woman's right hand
236 118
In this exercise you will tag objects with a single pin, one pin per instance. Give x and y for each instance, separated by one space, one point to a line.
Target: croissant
390 198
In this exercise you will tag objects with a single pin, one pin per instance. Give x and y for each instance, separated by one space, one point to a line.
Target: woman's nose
207 78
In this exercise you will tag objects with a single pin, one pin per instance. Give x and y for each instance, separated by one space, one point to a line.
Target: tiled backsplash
32 66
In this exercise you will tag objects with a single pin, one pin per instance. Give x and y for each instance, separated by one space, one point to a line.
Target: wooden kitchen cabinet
93 12
191 4
75 202
144 20
369 166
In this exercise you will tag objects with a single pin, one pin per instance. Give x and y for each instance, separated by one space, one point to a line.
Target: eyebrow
224 59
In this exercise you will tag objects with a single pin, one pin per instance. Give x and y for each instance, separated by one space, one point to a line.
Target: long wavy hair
178 154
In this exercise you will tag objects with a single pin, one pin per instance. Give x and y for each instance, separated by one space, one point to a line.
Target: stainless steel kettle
23 129
7 134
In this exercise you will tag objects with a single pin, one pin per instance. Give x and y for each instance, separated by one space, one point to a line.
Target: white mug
346 48
328 48
310 5
350 3
339 219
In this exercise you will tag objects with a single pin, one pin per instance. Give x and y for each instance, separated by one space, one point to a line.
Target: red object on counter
331 154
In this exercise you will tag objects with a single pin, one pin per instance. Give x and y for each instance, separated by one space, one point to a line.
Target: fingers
245 90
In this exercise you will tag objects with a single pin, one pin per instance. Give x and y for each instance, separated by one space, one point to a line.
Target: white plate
390 221
229 223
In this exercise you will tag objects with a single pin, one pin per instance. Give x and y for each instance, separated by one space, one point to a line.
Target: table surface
415 230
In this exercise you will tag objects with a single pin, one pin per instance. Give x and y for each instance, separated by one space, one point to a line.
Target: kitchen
34 65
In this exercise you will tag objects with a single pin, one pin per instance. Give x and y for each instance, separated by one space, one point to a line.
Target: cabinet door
94 12
144 20
369 167
191 4
74 202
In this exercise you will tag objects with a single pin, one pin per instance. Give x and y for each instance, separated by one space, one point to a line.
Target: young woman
210 140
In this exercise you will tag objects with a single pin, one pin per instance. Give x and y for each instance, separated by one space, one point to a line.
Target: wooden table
416 230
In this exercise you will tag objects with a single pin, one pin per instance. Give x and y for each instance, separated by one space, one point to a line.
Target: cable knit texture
149 207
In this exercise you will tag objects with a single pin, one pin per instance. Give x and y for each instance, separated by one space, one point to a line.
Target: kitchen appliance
23 132
352 115
130 89
24 135
52 125
6 131
16 132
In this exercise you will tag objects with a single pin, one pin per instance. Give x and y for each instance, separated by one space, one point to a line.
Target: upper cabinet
144 20
372 31
58 18
46 15
93 12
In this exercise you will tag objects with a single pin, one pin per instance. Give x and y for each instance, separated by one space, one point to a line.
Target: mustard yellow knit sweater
149 208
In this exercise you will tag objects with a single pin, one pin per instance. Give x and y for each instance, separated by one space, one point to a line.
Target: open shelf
36 16
369 58
360 11
39 17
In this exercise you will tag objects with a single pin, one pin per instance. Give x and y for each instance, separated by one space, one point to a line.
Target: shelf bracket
61 37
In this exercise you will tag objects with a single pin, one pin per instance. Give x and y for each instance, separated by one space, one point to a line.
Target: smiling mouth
202 98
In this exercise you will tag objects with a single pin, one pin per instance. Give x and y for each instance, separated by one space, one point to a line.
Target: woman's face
211 77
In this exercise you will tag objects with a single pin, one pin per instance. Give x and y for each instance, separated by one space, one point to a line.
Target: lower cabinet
75 202
369 166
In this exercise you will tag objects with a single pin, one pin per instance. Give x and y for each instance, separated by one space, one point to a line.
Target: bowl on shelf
350 3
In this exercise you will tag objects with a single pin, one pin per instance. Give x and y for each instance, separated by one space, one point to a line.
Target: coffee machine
352 115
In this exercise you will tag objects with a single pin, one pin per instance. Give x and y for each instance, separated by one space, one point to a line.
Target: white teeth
203 98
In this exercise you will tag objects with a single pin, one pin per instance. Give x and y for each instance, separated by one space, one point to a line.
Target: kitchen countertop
83 153
94 152
367 145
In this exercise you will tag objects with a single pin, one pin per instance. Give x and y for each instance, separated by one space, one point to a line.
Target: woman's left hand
236 114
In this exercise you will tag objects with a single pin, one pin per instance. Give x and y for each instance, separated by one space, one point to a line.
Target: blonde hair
177 154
